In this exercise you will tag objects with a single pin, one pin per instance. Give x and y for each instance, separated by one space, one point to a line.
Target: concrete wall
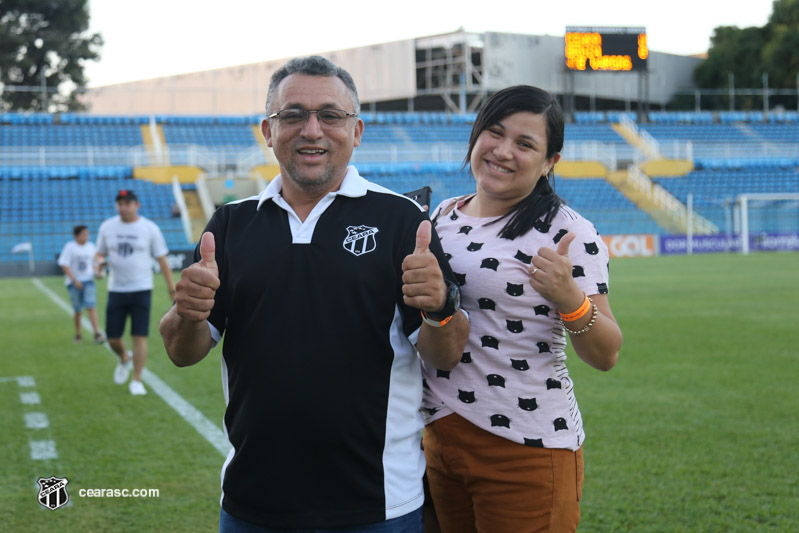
381 72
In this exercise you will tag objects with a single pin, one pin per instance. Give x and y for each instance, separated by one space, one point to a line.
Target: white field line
22 381
41 450
207 429
30 398
35 420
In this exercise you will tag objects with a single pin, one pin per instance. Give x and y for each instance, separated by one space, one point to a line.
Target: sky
154 38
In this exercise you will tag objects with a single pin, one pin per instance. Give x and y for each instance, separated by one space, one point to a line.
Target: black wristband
451 304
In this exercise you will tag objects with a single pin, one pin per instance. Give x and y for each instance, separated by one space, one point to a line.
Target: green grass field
694 430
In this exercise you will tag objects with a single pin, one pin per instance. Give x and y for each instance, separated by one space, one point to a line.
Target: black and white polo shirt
322 381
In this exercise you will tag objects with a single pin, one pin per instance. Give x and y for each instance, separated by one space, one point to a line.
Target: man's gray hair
311 66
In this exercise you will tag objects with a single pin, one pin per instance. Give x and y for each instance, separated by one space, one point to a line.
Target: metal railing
744 150
648 144
410 153
665 202
222 160
185 221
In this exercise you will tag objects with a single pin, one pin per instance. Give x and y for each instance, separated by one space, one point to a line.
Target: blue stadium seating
416 133
681 117
598 117
592 132
208 119
740 116
70 135
41 202
80 118
43 209
777 131
203 135
718 133
714 189
26 118
784 116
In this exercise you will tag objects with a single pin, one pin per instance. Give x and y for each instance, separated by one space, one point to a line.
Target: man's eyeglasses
328 117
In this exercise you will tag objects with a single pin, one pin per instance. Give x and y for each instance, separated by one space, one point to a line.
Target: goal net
768 222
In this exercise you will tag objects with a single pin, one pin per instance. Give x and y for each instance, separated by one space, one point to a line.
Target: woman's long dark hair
542 203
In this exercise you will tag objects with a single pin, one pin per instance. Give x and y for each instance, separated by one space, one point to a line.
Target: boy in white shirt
76 261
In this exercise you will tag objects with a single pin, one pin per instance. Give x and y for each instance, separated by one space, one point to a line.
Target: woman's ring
534 271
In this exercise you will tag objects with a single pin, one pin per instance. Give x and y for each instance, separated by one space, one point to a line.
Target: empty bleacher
592 132
714 190
42 207
61 170
610 211
38 129
777 132
224 137
597 117
216 137
210 131
69 135
718 133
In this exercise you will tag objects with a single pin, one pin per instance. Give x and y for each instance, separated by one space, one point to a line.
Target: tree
733 50
44 41
781 53
749 53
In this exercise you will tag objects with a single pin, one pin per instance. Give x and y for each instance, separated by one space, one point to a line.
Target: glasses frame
307 113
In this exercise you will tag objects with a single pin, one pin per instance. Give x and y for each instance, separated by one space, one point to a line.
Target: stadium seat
44 196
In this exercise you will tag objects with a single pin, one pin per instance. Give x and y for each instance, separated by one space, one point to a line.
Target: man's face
313 156
128 210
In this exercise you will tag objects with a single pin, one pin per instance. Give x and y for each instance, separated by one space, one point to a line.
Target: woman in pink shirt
504 434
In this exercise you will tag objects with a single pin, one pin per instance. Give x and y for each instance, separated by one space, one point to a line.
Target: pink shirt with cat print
512 379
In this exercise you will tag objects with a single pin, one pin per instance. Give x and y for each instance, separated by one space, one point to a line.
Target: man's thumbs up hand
198 283
423 235
423 284
208 253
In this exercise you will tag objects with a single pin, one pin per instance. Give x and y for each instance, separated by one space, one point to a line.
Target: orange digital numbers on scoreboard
582 47
608 49
643 51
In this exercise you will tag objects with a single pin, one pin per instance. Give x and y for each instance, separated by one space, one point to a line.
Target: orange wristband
579 313
437 323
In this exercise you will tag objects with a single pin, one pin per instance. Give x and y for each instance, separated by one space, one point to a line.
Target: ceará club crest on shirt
360 240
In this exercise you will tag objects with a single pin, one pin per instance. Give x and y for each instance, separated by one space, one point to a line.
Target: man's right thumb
208 250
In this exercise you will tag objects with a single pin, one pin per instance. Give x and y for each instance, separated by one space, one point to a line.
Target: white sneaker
136 388
122 371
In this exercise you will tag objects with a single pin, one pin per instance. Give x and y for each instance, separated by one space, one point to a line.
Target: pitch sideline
207 429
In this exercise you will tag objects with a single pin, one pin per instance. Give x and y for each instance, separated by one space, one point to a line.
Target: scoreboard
604 48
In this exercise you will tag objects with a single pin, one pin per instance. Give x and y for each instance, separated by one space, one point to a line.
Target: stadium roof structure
447 72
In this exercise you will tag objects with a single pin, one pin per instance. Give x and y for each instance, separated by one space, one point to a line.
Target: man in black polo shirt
316 286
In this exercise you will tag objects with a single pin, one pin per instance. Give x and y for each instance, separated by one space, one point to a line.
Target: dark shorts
123 304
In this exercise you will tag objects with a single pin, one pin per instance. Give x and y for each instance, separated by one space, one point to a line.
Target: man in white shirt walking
76 260
128 243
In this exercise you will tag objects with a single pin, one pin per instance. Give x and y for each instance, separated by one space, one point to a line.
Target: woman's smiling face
509 157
